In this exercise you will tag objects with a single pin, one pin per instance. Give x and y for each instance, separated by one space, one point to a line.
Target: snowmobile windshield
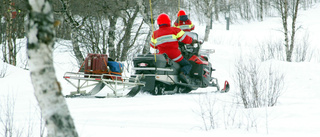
192 35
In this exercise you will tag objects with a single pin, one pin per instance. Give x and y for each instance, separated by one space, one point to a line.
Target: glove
194 41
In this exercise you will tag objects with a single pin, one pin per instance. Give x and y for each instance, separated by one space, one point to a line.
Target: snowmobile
161 75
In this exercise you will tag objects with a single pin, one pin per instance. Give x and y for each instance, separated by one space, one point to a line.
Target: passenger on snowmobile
183 22
166 39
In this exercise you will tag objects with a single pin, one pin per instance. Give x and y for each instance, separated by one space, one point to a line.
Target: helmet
181 13
163 19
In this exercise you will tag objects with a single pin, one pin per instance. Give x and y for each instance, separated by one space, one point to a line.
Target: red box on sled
96 64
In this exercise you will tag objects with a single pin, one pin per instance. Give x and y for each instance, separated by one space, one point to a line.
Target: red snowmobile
161 75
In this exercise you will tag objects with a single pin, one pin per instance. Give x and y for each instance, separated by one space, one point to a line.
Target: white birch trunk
207 30
208 15
54 109
74 34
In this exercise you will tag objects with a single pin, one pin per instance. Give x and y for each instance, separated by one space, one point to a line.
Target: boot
184 78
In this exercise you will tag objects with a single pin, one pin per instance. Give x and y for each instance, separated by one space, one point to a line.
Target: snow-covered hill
296 114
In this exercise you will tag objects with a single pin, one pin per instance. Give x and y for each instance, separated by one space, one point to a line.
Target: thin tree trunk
261 10
54 109
207 32
9 33
208 14
12 41
284 16
127 44
14 52
146 47
4 48
216 10
293 29
74 34
285 26
76 47
147 19
104 44
112 37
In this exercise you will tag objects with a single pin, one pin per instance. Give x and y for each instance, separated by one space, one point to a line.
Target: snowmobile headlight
142 64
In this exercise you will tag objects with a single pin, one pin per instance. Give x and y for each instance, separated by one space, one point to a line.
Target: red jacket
166 38
184 25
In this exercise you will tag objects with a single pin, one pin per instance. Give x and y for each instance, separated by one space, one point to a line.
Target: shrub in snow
258 84
272 49
302 51
207 111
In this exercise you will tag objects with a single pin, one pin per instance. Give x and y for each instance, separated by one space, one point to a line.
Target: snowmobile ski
226 87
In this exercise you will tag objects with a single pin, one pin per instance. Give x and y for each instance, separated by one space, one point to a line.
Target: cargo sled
97 72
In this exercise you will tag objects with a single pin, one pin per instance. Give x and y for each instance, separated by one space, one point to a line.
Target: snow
296 114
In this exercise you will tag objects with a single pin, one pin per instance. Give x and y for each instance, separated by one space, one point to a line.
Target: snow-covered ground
296 114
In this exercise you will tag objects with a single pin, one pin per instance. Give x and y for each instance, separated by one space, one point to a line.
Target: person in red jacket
166 39
183 22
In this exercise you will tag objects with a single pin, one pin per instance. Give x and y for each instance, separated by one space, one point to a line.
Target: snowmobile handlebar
188 50
196 41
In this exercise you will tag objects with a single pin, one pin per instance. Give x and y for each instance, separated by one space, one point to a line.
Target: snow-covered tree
54 109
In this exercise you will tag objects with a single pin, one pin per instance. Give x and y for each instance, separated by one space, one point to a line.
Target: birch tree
205 7
288 9
40 35
68 16
9 49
